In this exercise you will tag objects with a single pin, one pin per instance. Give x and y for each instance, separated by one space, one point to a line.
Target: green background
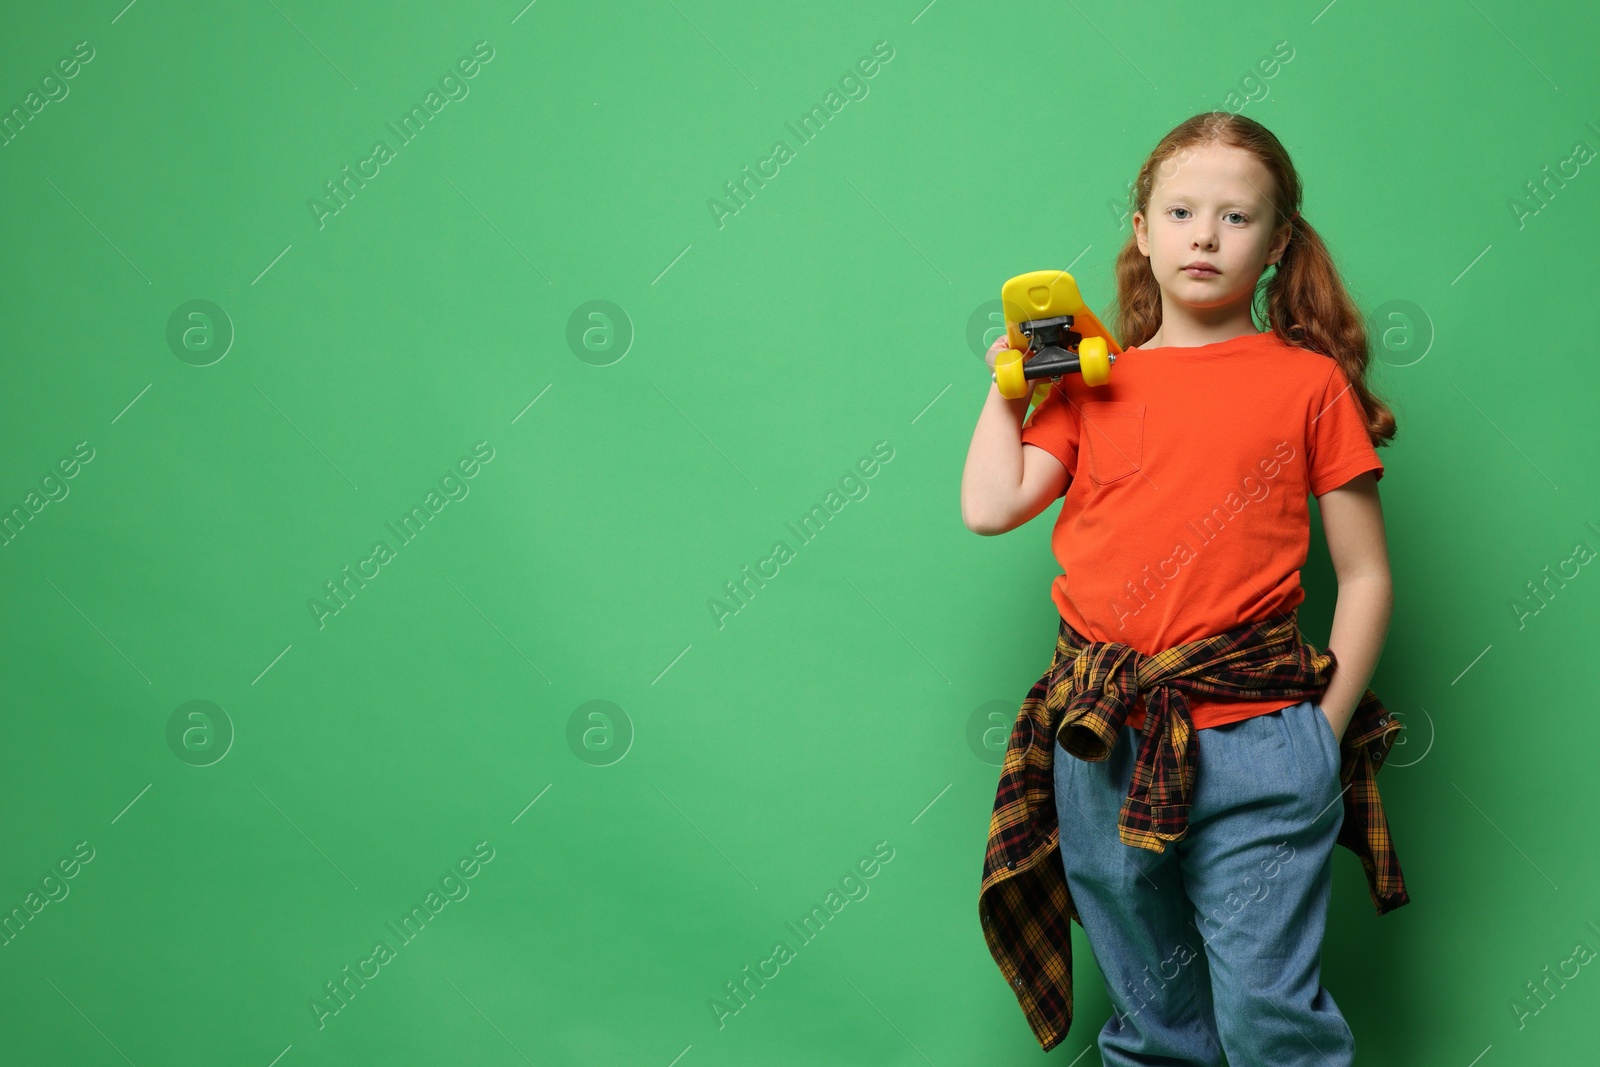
646 849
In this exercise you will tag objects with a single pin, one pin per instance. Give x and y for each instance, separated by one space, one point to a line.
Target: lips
1201 270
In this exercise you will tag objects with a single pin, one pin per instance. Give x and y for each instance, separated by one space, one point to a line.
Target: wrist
1338 719
1019 406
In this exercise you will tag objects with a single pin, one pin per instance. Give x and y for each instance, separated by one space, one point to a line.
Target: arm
1006 483
1352 519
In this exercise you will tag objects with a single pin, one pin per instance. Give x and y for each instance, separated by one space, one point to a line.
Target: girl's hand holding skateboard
1041 386
995 349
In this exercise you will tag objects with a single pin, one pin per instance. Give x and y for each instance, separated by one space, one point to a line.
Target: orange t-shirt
1186 513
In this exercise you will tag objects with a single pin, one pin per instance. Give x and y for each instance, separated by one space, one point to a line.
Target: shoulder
1303 361
1298 372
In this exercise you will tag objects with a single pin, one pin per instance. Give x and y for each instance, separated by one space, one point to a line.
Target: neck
1189 327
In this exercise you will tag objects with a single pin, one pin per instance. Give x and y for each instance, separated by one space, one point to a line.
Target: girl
1182 534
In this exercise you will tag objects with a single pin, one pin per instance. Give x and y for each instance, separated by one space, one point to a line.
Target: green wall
530 708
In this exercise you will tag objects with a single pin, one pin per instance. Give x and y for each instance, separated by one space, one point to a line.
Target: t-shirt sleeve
1337 442
1053 426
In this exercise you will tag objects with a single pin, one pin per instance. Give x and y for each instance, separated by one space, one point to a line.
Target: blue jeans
1216 943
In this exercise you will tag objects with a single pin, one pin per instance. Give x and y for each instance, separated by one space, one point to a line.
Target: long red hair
1301 298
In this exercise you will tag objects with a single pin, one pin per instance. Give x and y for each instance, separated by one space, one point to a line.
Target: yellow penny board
1045 294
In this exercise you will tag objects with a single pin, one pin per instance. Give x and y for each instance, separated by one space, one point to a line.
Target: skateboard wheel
1093 362
1008 374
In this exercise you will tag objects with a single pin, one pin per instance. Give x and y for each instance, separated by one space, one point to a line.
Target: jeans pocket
1330 743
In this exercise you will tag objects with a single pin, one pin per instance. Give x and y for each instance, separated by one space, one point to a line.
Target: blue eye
1238 215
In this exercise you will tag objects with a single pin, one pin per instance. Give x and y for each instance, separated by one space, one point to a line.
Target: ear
1280 242
1139 234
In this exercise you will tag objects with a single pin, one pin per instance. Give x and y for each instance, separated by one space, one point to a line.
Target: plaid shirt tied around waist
1083 701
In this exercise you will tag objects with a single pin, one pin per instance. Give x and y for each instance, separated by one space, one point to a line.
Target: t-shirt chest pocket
1113 435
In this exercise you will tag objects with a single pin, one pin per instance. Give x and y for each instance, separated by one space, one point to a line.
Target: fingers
995 349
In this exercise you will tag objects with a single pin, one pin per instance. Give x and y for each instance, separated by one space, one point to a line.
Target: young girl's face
1210 205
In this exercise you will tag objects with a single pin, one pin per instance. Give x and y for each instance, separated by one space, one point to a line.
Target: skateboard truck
1041 308
1055 348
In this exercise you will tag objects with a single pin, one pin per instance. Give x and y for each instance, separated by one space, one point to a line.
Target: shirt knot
1096 687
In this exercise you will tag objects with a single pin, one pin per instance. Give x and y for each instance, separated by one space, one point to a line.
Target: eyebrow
1226 203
